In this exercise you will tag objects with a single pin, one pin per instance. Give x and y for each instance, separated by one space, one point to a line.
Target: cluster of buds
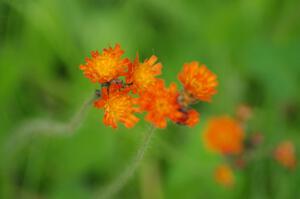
231 138
130 87
226 136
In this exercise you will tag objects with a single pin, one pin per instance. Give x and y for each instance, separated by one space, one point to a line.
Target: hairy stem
129 171
23 134
30 128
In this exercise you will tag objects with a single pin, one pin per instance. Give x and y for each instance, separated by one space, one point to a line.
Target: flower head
142 75
285 154
224 135
224 175
106 66
117 105
198 81
160 103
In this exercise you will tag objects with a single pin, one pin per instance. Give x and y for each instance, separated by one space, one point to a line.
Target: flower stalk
111 190
49 127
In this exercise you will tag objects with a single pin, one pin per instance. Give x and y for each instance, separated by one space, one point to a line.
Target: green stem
34 127
129 171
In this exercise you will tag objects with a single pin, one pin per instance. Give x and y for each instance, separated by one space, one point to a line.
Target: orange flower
105 67
285 154
224 175
198 81
142 75
224 135
118 106
189 118
140 79
160 103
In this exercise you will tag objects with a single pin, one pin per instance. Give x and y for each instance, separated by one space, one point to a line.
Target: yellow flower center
198 85
143 76
105 66
162 107
117 106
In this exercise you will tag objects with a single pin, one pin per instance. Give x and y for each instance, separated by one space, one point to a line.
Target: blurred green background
252 45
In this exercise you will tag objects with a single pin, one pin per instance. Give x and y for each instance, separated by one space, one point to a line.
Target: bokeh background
252 45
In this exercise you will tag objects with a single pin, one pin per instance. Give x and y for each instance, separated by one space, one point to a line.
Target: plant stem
30 128
129 171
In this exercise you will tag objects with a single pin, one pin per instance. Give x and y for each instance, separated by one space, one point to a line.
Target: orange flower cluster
129 87
224 135
224 175
285 154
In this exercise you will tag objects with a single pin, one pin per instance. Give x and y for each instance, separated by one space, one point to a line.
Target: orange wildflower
224 135
285 154
198 81
118 106
142 75
224 175
160 103
105 67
